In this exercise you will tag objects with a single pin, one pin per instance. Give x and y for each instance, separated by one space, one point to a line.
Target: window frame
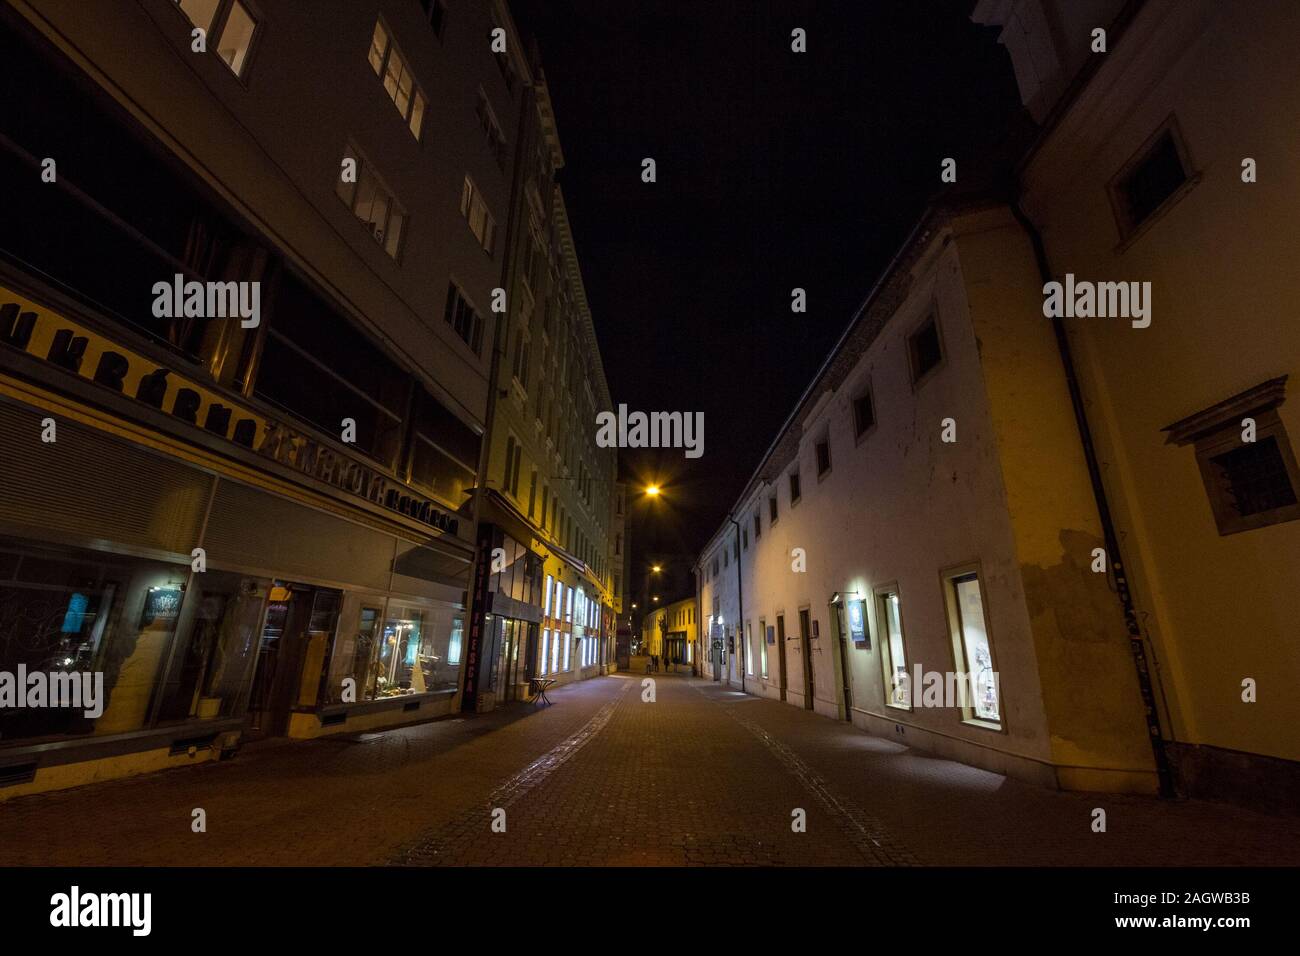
880 594
918 379
948 578
1128 230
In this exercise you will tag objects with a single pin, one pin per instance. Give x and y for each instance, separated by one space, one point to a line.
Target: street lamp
652 491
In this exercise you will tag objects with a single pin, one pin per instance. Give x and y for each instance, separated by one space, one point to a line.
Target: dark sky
775 170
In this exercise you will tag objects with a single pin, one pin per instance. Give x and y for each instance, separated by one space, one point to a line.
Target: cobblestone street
702 776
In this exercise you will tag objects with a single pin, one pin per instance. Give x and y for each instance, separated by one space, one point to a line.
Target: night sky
775 170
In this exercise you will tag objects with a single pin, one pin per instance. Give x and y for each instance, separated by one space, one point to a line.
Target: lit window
893 650
371 203
546 610
237 26
541 659
764 637
236 37
475 211
749 650
399 81
978 692
200 12
465 322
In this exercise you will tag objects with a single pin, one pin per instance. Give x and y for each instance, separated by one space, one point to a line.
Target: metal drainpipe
1136 644
740 605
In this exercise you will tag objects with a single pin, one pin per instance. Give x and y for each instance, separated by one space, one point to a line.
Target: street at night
702 776
472 464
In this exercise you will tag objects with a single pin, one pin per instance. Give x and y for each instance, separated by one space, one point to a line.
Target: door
299 627
780 643
842 649
805 647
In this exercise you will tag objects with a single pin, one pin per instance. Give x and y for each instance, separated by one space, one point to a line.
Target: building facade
671 633
1017 537
1167 165
245 363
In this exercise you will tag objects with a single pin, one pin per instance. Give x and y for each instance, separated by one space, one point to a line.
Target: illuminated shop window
972 650
399 81
893 650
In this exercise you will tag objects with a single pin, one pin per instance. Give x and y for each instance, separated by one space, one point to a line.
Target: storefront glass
83 612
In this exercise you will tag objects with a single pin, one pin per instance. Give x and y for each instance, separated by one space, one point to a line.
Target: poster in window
858 624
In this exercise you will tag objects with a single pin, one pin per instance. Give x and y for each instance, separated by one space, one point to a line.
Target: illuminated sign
858 623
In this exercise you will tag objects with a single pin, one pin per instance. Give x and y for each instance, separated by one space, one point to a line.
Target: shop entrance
510 639
780 643
805 649
300 623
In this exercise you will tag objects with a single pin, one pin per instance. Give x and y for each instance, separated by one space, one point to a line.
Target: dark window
923 348
1256 477
864 414
758 526
823 456
794 487
316 365
464 320
771 508
744 538
1151 180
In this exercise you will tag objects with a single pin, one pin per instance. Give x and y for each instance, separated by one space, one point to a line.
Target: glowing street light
655 568
652 490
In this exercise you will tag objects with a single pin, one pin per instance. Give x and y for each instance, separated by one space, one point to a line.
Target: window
496 140
514 455
371 202
744 539
1150 180
758 526
968 623
762 648
475 211
236 27
464 320
794 486
399 81
749 650
924 350
864 414
1249 473
542 658
771 509
893 650
546 598
520 367
823 456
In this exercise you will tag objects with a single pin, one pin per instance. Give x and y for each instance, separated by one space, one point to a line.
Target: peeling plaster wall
1222 261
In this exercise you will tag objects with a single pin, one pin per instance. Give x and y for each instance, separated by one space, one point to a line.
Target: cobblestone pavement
701 776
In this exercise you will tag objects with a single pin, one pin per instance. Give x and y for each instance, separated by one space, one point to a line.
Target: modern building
245 360
1058 545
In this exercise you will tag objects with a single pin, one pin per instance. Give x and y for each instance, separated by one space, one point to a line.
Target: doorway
805 647
780 643
296 636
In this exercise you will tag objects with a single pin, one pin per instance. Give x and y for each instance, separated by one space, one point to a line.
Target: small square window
1149 180
924 350
1245 459
864 414
823 456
